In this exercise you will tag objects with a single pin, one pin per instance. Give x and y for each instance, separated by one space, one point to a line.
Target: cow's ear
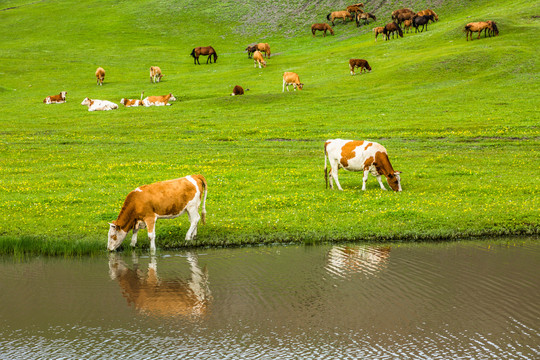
397 172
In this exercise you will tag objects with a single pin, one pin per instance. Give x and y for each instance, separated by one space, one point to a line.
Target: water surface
465 300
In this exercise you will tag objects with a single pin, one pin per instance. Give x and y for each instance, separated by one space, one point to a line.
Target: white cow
97 105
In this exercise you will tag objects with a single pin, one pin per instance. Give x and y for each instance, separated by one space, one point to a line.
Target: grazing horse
321 27
390 28
265 48
401 15
494 31
343 15
203 50
359 63
407 25
429 12
378 30
421 20
365 17
477 27
250 50
354 10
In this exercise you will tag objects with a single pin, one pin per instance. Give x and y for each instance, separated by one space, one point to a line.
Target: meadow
459 119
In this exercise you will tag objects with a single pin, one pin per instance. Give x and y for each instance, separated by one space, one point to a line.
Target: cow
131 102
99 105
155 74
366 156
258 59
56 99
100 75
158 100
161 200
359 63
290 78
151 295
238 90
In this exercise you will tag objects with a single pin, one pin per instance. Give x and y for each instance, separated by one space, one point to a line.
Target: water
467 300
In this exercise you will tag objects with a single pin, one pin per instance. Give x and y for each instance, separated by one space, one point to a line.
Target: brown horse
203 50
390 28
321 27
343 15
477 27
377 31
407 25
429 12
250 50
401 15
494 31
354 10
365 17
265 48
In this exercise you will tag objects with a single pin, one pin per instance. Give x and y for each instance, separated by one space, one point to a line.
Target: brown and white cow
359 63
366 156
155 74
131 102
100 75
158 100
258 58
56 99
168 297
161 200
99 105
238 90
291 78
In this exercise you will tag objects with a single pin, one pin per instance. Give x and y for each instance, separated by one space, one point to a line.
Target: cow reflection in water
151 295
368 260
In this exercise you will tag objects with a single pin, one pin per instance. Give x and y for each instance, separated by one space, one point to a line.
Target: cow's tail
205 189
325 168
142 94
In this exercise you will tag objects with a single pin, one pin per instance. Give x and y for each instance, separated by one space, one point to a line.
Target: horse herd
402 17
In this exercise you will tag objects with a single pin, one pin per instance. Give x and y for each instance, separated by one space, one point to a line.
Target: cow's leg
151 225
134 237
380 182
364 180
334 174
194 217
284 86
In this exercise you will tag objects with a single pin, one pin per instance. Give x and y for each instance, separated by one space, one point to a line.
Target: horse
377 31
407 25
477 27
343 15
265 48
494 31
321 27
365 17
250 50
203 50
354 9
421 20
390 28
401 15
429 12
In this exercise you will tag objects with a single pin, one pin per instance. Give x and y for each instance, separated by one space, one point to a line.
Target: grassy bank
459 119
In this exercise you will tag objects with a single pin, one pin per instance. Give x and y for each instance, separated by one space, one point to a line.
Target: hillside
459 118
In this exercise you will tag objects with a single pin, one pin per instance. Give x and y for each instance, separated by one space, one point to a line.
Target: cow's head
263 63
394 180
172 98
300 86
116 236
86 101
63 94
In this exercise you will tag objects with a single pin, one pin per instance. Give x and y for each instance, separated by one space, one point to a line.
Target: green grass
459 119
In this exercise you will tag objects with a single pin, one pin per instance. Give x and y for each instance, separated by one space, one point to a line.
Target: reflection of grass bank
458 118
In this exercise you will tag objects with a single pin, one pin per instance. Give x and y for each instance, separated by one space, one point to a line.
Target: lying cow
155 74
365 156
131 102
359 63
258 58
158 100
100 75
160 200
290 78
99 105
238 90
56 99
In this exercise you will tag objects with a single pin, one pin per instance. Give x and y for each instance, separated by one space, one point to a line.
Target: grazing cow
321 27
359 63
250 50
290 78
378 30
421 20
429 12
365 156
151 295
100 75
258 59
265 48
155 74
99 105
238 90
160 200
158 100
391 28
56 99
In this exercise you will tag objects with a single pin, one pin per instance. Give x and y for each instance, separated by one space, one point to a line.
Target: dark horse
203 50
423 21
390 28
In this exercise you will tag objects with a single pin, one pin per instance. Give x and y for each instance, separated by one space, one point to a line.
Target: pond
460 300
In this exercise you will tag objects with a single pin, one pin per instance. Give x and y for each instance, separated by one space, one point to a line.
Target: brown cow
158 100
238 90
258 59
155 74
100 75
161 200
56 99
359 63
291 78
